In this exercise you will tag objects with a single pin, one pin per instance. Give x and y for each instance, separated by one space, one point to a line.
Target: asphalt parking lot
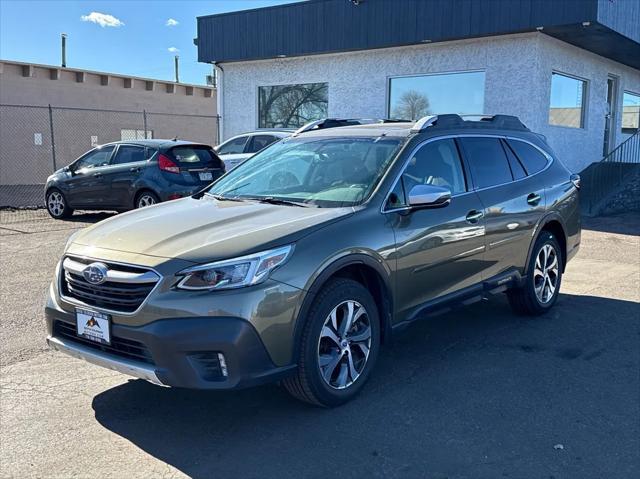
478 393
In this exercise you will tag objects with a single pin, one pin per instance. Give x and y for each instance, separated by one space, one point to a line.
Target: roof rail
503 122
423 123
394 120
333 123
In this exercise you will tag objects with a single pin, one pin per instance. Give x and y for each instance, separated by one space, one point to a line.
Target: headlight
234 273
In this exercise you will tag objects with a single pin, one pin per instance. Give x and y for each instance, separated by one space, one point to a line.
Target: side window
436 163
516 167
487 161
259 142
129 154
530 156
95 158
233 147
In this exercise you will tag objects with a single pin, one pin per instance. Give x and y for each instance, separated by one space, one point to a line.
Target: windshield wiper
225 198
279 201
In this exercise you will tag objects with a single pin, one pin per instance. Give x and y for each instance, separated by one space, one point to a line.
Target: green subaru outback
300 263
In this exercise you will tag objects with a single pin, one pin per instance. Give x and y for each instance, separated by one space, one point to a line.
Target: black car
131 174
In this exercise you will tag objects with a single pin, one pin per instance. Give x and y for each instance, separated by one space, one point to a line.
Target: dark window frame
512 157
249 145
284 86
116 152
509 142
390 79
584 101
244 147
469 186
93 151
623 129
466 159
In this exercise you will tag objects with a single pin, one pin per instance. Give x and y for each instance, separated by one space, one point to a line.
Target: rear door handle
533 199
474 216
134 168
97 175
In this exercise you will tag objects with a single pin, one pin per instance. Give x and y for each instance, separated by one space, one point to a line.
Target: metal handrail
606 176
632 139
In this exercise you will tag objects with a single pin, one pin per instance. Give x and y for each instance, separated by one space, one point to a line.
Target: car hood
206 229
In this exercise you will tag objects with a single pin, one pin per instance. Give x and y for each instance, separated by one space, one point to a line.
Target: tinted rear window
488 161
516 167
530 157
195 157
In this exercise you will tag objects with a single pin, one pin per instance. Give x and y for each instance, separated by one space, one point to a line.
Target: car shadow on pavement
623 223
89 216
476 391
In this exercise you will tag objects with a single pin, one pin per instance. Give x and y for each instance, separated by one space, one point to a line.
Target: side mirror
429 196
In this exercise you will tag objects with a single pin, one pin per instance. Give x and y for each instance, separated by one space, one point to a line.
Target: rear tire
337 354
57 205
146 198
542 284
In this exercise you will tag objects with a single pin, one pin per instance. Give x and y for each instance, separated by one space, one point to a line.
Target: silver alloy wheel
545 274
344 344
55 203
146 200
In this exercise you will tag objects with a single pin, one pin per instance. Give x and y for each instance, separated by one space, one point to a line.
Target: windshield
323 172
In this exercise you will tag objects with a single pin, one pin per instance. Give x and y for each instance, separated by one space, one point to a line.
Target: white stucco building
571 72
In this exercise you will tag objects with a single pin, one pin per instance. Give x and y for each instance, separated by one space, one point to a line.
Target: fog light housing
211 365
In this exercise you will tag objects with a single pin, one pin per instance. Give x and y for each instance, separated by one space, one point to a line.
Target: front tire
339 345
542 285
57 205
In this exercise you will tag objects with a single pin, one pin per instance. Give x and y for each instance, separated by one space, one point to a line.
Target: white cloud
173 50
172 22
102 19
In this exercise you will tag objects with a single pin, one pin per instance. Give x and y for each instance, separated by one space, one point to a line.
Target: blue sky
134 40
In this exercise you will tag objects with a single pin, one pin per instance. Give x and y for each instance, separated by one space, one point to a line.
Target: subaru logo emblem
95 273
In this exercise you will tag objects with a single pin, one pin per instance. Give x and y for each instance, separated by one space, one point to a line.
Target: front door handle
134 168
533 199
97 175
474 216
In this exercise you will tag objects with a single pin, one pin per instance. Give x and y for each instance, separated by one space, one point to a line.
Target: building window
130 134
568 99
630 113
411 98
291 106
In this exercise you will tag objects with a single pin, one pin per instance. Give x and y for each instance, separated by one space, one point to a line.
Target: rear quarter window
530 157
195 157
516 167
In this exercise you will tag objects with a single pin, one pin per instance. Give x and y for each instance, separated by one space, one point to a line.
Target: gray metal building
570 69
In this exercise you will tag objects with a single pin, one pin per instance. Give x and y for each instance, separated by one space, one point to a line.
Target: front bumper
178 350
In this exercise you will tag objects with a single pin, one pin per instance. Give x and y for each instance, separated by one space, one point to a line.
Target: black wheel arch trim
329 271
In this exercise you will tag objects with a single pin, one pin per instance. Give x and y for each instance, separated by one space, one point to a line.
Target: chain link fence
35 141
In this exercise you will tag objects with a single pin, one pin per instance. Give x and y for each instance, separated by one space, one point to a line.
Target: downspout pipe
220 99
